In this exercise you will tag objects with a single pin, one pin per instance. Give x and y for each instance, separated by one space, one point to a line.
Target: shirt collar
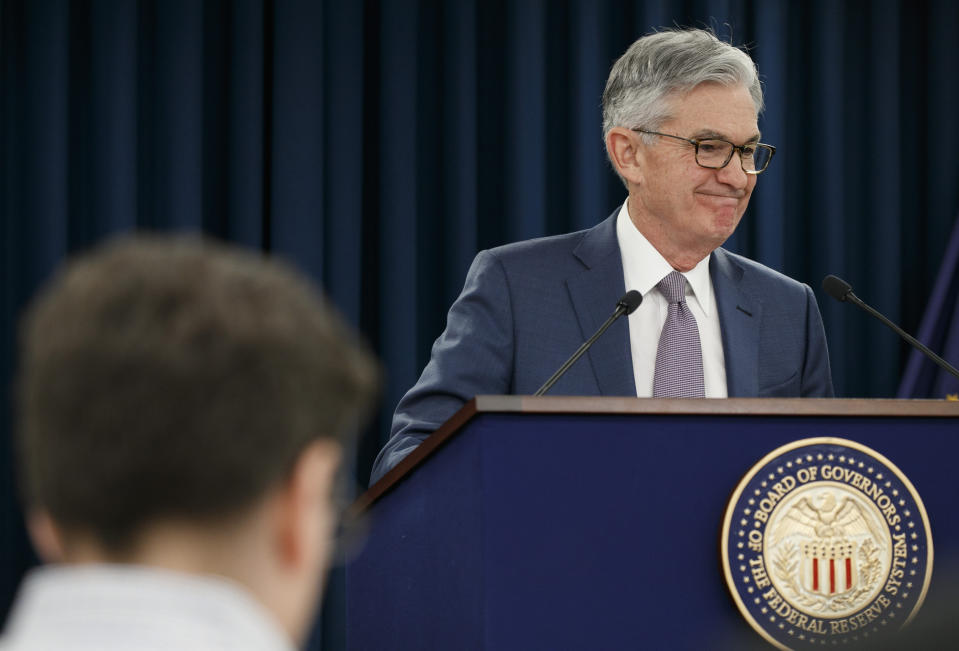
65 597
644 266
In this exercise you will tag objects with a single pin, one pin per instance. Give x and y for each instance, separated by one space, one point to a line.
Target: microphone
840 290
626 305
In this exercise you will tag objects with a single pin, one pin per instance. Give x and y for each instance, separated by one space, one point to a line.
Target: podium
595 523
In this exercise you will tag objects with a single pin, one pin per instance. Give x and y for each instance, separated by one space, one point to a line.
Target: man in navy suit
680 126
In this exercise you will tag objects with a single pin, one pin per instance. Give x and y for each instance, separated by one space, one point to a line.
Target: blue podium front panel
596 531
417 583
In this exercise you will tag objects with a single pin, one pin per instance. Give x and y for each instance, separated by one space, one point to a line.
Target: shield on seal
829 567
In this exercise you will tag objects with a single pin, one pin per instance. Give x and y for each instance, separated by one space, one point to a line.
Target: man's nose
733 174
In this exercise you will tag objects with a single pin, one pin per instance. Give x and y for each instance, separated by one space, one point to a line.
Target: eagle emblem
824 538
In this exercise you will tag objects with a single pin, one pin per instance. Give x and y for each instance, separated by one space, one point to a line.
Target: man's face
683 208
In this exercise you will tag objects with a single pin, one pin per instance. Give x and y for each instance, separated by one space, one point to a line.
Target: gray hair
671 61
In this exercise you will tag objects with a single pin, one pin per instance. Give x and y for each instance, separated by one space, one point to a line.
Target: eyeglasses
715 153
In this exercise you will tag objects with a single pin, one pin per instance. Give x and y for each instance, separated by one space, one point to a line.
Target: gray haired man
680 123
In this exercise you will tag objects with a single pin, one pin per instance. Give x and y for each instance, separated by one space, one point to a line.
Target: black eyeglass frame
741 148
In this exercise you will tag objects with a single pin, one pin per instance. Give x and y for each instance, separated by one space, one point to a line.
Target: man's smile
721 198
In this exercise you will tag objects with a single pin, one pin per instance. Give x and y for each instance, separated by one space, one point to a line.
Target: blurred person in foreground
183 411
680 125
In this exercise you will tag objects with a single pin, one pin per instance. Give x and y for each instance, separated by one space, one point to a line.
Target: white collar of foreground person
249 579
118 606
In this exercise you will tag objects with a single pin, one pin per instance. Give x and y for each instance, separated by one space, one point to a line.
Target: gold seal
823 541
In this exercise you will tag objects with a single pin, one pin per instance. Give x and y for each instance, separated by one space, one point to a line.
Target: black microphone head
630 301
838 288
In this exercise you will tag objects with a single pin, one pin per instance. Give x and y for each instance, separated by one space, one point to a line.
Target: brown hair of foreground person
179 401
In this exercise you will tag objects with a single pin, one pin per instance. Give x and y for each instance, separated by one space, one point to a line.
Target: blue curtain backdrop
380 144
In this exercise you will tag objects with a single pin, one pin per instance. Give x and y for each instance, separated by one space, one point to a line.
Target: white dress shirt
643 268
114 607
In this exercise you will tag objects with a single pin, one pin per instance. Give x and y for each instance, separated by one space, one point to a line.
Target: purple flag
940 332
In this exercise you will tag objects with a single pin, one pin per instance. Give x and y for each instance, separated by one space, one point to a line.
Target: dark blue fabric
527 306
380 144
939 331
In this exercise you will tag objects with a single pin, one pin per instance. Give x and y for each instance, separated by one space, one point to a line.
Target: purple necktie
679 360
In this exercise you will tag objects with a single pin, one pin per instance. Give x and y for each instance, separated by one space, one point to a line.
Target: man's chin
724 211
724 223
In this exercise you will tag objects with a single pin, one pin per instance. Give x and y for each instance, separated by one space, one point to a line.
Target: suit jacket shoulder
524 309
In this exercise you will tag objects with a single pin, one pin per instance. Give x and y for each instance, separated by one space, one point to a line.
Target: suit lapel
594 293
739 319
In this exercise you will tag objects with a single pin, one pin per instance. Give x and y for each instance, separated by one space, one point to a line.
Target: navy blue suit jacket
527 306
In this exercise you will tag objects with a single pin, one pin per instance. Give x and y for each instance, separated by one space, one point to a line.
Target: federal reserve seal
825 541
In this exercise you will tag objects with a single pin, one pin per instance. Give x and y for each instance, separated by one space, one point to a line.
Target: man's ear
305 513
46 536
625 152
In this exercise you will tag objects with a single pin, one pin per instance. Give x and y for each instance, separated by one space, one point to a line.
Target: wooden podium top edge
826 407
720 407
